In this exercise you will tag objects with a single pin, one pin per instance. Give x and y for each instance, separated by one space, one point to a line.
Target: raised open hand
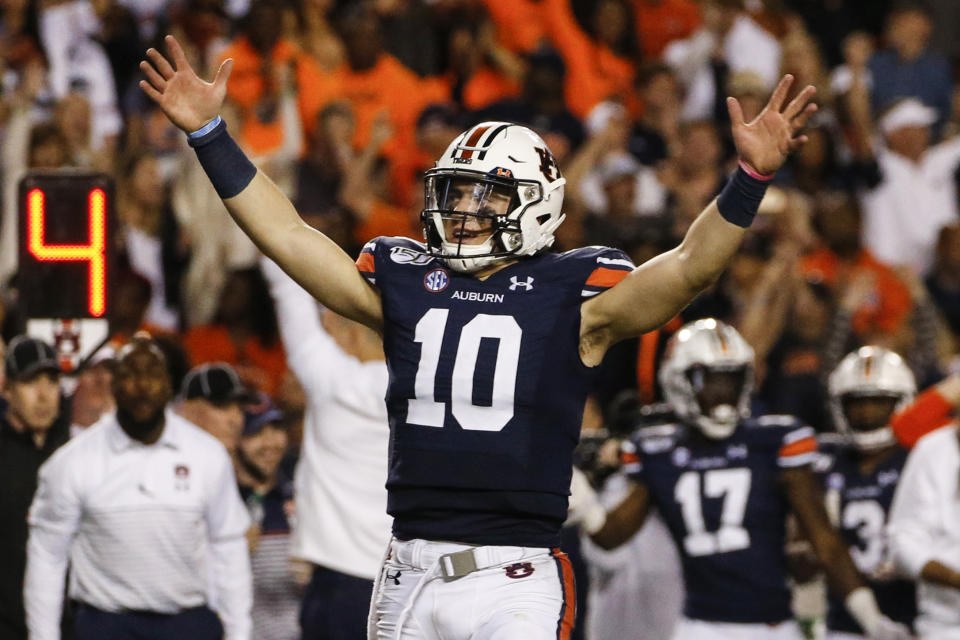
765 142
188 101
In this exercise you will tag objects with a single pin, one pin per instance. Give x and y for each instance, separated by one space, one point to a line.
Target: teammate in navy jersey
860 467
491 344
725 483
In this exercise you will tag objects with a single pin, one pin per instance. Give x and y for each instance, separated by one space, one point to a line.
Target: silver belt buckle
456 565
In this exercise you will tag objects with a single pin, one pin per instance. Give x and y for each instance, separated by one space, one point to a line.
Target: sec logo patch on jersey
436 280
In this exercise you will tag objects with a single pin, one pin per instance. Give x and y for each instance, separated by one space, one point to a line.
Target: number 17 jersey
486 390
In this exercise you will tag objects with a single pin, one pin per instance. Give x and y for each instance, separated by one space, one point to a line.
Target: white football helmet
496 193
869 372
702 347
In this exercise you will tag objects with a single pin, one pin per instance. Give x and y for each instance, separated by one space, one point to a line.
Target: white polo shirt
145 527
903 215
925 525
341 497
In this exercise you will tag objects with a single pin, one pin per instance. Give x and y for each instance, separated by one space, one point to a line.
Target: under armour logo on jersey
519 570
395 577
526 285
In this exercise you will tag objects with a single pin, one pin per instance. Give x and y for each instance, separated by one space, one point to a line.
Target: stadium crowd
346 104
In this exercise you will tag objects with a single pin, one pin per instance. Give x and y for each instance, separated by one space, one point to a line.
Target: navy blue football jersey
486 389
859 505
724 508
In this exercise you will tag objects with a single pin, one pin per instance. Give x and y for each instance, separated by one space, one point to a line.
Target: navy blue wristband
740 198
225 163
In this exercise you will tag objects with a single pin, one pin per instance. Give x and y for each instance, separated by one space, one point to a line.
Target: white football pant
515 592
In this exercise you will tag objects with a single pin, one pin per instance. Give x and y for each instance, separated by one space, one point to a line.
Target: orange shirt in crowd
259 366
520 26
659 22
929 411
594 72
316 88
386 219
487 86
247 86
885 314
388 86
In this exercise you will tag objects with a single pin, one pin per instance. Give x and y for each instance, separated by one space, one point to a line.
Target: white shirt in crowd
746 47
143 527
638 585
925 525
342 522
903 215
69 33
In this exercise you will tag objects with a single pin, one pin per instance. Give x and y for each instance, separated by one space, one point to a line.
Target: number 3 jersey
722 502
859 505
486 390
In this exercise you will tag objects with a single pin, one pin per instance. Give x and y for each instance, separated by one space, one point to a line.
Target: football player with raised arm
725 482
491 342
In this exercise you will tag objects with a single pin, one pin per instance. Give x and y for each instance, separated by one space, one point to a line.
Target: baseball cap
259 414
909 112
28 356
215 382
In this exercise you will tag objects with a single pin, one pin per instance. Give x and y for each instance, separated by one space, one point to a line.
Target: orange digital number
93 253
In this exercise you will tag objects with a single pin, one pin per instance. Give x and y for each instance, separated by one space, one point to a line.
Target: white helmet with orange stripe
707 376
866 389
495 194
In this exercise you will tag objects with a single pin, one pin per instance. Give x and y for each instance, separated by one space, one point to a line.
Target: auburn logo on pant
519 570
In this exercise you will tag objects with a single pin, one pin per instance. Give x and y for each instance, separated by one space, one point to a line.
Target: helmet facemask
720 397
473 219
866 418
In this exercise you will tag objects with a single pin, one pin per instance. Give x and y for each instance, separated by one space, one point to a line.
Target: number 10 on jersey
426 411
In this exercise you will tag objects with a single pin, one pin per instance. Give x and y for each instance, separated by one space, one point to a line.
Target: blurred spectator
636 586
70 32
599 64
695 174
144 507
944 279
728 41
480 70
410 34
243 333
655 135
374 81
437 126
342 527
925 543
268 493
365 191
831 22
659 22
541 105
92 397
30 430
328 154
878 302
119 36
151 237
26 144
614 189
911 193
212 397
908 69
317 35
266 65
520 24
